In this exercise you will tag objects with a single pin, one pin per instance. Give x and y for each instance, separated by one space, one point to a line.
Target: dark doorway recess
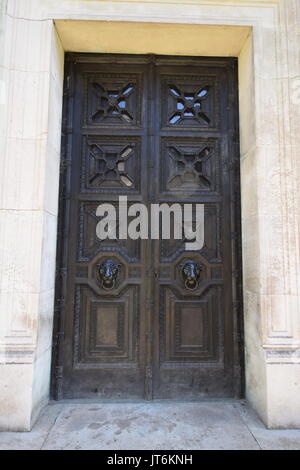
155 129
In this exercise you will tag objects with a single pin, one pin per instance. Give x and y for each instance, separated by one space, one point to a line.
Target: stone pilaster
31 84
31 69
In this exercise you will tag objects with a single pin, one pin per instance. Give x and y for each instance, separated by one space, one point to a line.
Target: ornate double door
147 318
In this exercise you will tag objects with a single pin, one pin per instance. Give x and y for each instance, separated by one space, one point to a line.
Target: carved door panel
129 324
194 330
103 353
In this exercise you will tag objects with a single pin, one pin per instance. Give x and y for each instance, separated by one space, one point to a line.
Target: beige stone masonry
30 129
265 36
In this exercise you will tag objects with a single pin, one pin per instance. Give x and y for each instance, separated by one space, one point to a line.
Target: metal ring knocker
108 273
190 273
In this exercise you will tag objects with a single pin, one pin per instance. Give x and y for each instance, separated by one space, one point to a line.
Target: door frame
64 201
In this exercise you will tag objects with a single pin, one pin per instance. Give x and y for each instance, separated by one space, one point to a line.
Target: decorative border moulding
200 12
283 356
17 354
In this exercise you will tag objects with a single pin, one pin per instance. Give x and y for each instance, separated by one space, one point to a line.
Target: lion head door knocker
190 273
108 273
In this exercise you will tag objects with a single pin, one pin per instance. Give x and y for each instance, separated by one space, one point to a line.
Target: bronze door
146 318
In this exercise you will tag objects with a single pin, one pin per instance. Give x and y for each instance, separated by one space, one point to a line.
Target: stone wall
265 35
30 128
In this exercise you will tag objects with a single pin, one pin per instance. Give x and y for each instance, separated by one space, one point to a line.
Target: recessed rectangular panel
213 235
89 243
106 330
106 327
191 328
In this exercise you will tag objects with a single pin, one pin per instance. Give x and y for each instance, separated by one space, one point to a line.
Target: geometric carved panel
187 102
106 332
111 164
113 99
212 248
189 328
189 166
89 244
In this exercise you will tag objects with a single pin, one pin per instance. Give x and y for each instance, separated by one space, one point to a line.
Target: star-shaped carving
112 102
111 165
188 168
189 105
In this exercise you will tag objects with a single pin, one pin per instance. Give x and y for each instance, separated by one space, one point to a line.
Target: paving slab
269 439
152 426
34 439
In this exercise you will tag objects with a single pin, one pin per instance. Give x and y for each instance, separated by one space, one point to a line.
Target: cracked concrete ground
151 426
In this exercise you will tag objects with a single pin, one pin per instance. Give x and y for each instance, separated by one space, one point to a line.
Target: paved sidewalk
152 426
